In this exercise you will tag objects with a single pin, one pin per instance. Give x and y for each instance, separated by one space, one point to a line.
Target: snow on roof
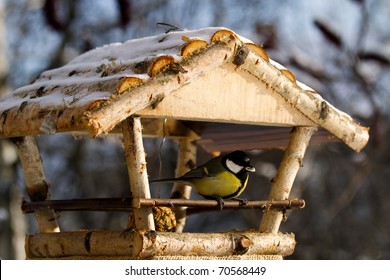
114 60
104 83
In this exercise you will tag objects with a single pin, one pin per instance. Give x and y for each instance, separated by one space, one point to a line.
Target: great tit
222 177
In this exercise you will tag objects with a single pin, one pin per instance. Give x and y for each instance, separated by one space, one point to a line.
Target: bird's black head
237 162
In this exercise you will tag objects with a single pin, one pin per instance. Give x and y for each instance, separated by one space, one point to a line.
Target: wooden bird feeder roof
220 84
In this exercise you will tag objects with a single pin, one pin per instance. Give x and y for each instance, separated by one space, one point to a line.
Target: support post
185 162
37 187
284 179
136 165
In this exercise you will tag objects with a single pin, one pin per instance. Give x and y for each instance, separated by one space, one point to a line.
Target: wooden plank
226 137
228 95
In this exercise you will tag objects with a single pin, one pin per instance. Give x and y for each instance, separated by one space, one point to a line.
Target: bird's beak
250 169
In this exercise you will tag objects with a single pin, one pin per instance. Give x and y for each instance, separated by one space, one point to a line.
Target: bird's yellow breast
224 185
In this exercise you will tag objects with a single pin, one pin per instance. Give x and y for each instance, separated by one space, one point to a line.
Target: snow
139 49
89 67
84 68
304 86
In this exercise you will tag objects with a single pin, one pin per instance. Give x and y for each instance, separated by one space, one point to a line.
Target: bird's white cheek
235 168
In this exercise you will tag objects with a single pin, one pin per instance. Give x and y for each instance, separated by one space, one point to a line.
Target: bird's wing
199 172
210 169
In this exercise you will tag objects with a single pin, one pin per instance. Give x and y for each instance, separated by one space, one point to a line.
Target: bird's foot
243 201
221 203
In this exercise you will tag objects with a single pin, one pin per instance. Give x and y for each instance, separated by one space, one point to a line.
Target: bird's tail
167 180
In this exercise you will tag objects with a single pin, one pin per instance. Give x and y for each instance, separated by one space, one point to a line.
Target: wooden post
185 162
136 165
37 187
284 179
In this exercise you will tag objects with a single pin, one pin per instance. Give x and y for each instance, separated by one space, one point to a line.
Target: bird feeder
196 87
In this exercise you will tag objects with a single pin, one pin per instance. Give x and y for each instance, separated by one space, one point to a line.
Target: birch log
136 164
308 102
186 161
284 179
37 187
149 244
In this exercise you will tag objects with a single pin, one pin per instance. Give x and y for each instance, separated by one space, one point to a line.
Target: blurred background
341 48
